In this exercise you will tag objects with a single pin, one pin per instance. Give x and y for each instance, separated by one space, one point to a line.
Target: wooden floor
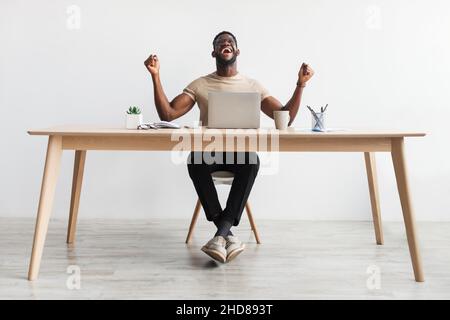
123 259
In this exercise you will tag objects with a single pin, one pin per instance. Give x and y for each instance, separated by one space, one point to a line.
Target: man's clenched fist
305 73
152 64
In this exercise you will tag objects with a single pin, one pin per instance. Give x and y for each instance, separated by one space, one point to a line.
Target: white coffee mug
282 119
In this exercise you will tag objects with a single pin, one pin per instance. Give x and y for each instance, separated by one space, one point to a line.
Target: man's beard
225 63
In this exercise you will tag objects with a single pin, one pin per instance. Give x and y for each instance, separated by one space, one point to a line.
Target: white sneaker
215 248
234 246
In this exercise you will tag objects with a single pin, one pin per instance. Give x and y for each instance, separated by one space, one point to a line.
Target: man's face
225 49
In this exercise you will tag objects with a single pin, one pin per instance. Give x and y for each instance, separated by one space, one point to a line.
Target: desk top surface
80 130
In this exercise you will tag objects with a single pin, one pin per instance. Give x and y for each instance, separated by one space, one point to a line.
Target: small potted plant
134 117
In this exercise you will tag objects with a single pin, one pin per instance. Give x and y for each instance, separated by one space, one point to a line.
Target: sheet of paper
327 130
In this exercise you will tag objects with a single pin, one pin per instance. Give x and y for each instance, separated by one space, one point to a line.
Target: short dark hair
224 32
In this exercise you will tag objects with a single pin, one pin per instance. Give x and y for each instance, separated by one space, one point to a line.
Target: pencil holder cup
318 122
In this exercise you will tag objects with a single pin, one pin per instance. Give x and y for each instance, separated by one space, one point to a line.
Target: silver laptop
239 110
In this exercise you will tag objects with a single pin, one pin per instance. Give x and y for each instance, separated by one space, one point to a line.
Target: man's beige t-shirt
198 89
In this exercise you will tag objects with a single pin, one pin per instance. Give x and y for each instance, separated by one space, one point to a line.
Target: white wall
379 64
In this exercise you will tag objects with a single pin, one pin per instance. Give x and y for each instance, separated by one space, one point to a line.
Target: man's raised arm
271 104
167 111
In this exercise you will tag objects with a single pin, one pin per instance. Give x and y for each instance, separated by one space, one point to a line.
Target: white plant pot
134 120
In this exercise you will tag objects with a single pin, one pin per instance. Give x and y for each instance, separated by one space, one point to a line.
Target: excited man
224 246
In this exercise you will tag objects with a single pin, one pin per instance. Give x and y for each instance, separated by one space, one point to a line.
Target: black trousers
244 165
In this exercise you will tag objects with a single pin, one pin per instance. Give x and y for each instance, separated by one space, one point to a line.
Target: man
224 246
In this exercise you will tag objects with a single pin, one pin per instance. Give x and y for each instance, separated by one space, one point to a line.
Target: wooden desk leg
77 180
374 197
51 172
398 159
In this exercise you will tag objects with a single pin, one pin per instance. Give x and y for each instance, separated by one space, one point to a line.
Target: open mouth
226 50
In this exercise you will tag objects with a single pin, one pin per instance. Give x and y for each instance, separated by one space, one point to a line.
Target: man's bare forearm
294 103
305 73
161 102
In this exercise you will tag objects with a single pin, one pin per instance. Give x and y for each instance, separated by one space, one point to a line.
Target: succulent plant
134 110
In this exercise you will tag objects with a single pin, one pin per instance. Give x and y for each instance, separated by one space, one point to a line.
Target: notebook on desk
159 125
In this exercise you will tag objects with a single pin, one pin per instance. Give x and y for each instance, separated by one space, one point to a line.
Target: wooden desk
82 139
